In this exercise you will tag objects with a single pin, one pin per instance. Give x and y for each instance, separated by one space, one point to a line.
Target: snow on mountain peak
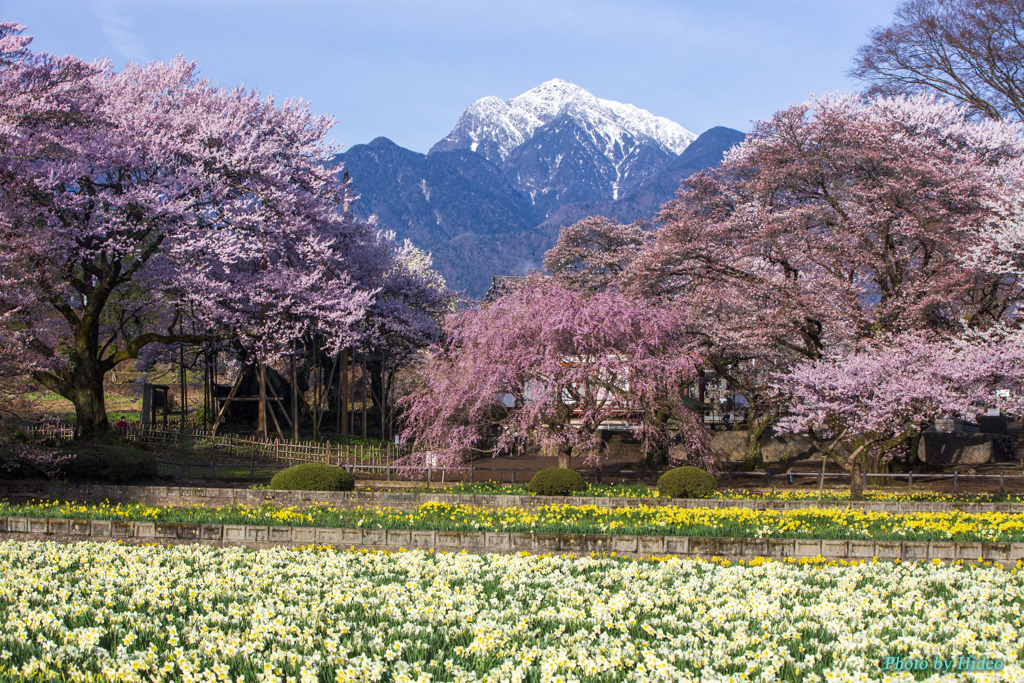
495 127
551 98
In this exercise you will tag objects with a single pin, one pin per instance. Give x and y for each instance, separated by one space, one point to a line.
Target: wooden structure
271 412
154 397
502 284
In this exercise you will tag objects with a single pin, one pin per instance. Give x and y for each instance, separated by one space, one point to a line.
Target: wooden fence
195 438
379 463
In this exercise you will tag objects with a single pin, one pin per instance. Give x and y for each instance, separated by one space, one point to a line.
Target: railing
774 481
379 463
194 437
50 430
818 478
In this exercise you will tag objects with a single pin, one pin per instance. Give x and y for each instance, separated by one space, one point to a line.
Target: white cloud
120 32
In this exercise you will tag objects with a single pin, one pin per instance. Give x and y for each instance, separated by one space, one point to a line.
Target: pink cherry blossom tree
592 255
134 202
547 364
865 402
999 249
405 317
836 221
594 252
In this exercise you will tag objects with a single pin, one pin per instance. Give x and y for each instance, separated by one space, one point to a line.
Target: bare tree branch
970 51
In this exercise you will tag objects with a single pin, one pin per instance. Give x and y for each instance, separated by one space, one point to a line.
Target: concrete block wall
175 496
480 542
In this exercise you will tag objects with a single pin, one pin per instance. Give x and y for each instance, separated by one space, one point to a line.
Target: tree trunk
564 456
914 454
80 380
82 384
378 389
86 393
856 479
655 455
343 394
756 429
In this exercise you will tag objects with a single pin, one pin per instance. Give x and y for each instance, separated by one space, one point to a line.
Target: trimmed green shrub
556 481
686 482
313 476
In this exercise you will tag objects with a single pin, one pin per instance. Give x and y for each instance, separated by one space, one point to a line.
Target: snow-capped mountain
491 196
495 127
559 143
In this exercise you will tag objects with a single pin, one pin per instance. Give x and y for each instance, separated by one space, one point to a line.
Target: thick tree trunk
856 479
914 452
86 393
756 428
80 379
563 454
81 384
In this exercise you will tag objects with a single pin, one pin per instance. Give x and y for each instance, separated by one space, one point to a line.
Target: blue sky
405 69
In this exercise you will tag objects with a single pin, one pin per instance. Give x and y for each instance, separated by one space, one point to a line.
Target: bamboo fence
274 450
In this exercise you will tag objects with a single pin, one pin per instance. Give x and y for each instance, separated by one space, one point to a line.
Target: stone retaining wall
168 533
174 496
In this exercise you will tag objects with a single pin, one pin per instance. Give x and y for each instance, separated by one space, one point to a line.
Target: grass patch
595 490
109 461
645 491
219 472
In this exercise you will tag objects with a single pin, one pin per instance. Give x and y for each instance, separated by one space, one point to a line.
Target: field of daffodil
105 612
646 520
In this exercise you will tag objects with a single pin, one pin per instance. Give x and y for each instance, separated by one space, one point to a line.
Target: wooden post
206 386
385 414
211 371
821 476
213 382
261 419
295 400
314 367
343 393
231 395
364 392
273 415
181 377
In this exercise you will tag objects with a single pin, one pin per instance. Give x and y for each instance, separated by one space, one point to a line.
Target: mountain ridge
491 196
609 146
516 120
